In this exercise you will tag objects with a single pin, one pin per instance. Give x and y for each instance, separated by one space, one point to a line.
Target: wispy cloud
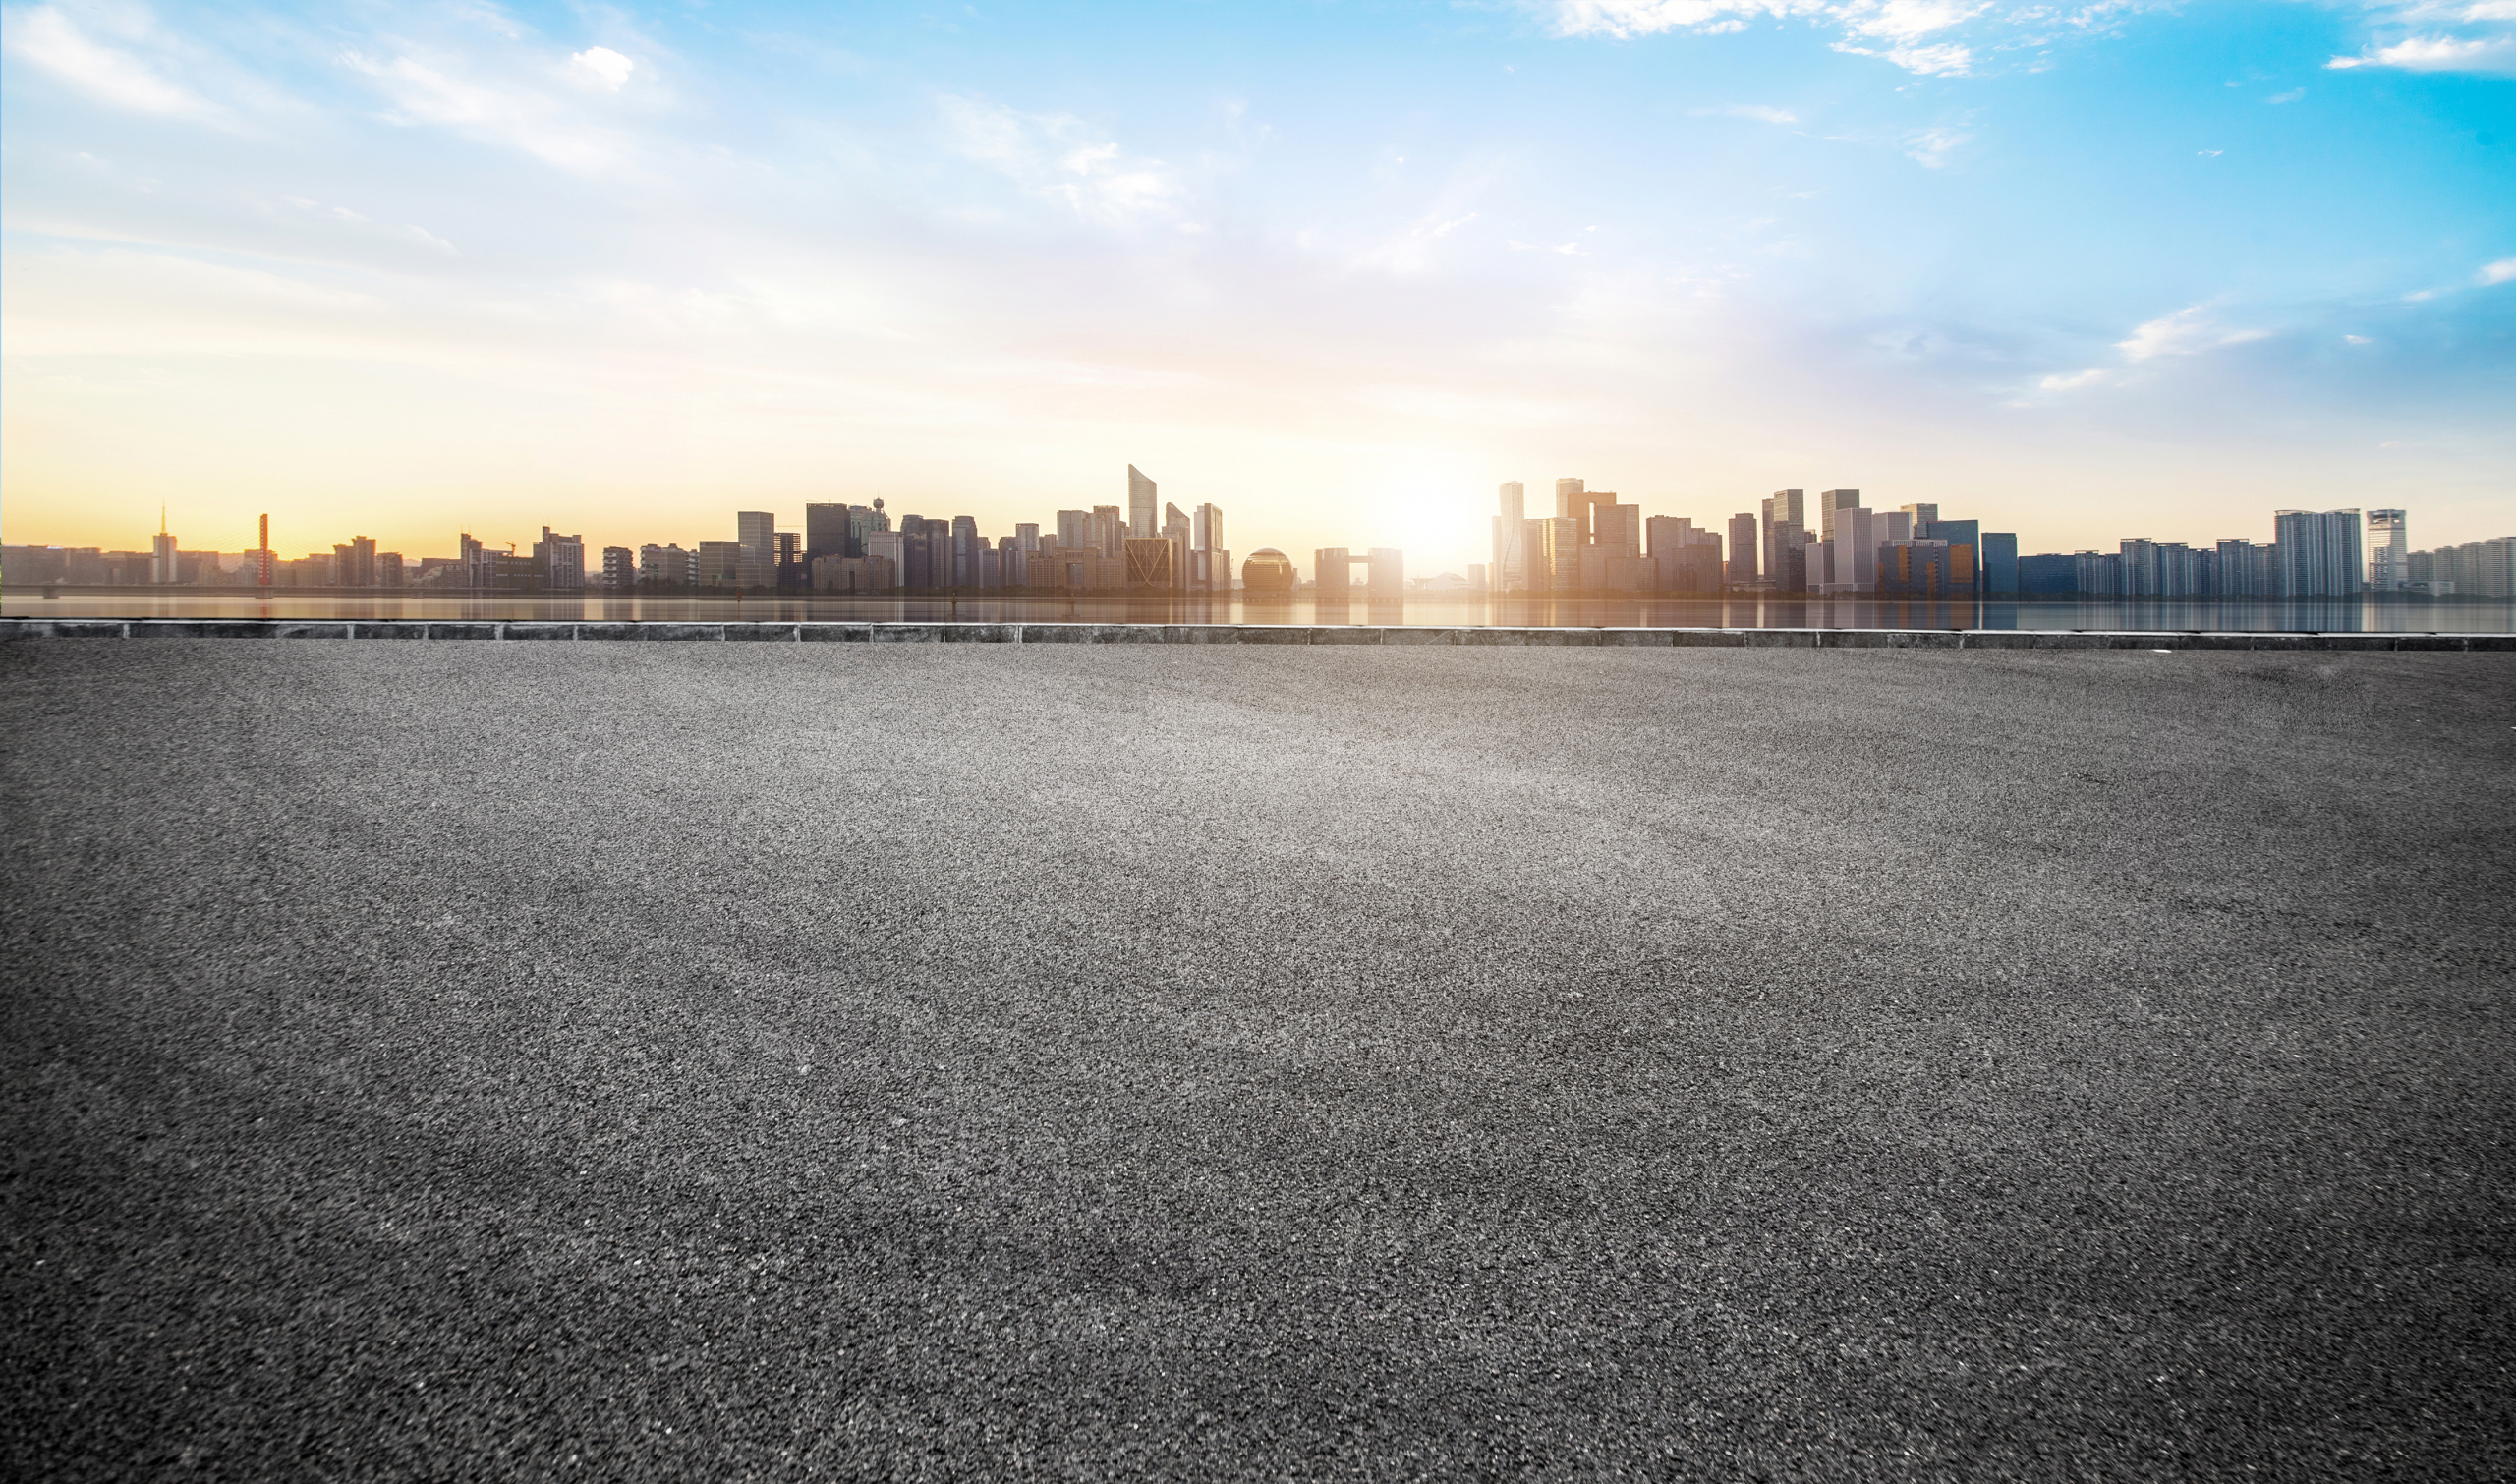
1761 112
2495 54
453 92
1060 156
47 37
2188 332
1932 147
1898 23
2502 271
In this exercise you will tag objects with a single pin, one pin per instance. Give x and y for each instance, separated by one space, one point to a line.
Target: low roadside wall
1222 633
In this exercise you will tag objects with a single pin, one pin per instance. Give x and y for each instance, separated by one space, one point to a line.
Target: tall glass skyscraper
1143 514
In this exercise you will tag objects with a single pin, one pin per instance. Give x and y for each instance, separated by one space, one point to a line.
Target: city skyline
2132 271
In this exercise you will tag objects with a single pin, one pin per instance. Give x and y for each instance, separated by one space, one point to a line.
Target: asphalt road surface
445 1060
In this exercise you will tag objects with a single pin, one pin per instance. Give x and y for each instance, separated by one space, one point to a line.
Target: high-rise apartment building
619 569
1075 530
1510 569
1140 504
1204 532
755 532
2320 554
1108 530
668 566
2388 542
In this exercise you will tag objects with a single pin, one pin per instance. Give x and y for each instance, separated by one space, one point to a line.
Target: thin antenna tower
265 555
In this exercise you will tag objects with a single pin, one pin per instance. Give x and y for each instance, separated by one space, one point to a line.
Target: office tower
165 564
389 569
2048 574
1899 525
889 549
1107 531
963 571
1965 549
1782 508
2318 553
1388 578
755 530
2000 563
1149 567
1613 525
1858 533
1744 546
1140 503
824 531
1915 568
1026 534
1921 515
1828 502
862 522
1332 573
1075 530
1567 497
619 569
1555 553
721 564
1209 531
2388 540
1511 540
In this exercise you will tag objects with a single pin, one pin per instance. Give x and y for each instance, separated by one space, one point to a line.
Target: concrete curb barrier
1226 633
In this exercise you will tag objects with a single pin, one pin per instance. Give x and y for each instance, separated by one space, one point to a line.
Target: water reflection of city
2318 616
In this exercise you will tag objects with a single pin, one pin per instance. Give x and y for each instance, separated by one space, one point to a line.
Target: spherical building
1268 570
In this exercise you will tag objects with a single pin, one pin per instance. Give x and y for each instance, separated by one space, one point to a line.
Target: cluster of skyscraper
1150 548
1593 543
1596 543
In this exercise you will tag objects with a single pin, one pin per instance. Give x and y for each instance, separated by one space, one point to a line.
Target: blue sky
2084 272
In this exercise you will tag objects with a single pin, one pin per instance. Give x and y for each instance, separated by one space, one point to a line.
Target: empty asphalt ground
470 1060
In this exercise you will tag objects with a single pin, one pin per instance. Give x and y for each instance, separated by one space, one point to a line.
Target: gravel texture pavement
953 1061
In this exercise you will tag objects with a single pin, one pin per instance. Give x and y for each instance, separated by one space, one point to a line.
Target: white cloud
2095 375
1932 147
1053 155
2500 271
1899 24
605 68
1905 20
2358 340
2291 97
50 41
2438 54
2209 154
495 111
2186 332
1761 112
